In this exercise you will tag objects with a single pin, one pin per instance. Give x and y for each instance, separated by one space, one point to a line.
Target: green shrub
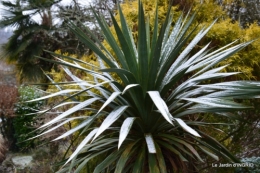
25 122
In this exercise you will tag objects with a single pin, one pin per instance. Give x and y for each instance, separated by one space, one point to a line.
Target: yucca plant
146 96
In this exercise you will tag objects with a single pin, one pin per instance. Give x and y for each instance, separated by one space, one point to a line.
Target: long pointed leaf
153 164
109 100
110 119
208 152
109 159
54 94
82 144
186 127
71 110
138 166
128 87
125 156
126 46
125 129
159 103
142 49
150 143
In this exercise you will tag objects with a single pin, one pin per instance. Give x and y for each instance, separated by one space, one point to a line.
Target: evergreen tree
29 37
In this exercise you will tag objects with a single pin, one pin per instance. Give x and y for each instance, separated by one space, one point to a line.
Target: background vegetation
25 122
236 20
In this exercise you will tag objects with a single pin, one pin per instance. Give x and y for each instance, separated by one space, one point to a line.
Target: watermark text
233 165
